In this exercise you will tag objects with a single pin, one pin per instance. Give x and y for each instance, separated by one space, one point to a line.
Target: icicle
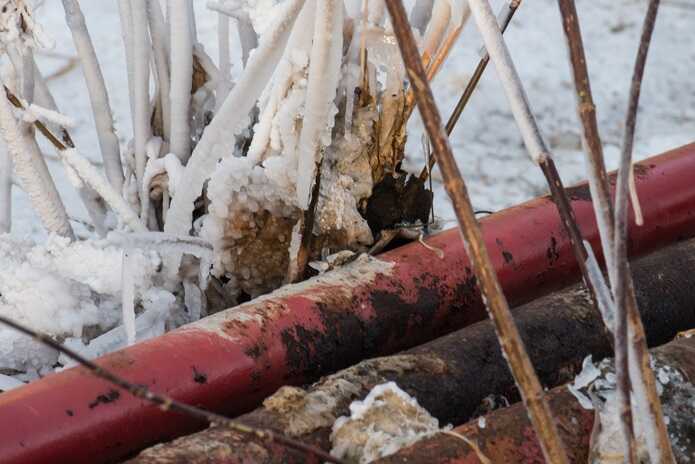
128 299
98 96
217 140
324 74
181 77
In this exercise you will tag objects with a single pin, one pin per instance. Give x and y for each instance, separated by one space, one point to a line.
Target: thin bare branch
470 87
642 377
598 185
166 403
510 340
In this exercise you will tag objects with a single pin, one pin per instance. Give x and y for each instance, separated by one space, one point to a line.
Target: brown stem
167 403
508 334
468 91
623 288
603 209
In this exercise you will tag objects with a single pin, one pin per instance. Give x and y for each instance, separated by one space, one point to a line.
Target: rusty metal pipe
455 376
231 361
507 435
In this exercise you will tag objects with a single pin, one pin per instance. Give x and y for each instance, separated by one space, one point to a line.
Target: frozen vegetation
182 168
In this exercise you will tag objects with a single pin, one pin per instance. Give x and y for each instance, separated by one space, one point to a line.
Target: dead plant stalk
508 334
644 384
600 193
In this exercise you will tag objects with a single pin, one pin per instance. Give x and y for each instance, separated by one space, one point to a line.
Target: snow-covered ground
486 142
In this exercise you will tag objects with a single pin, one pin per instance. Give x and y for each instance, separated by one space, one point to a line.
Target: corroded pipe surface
231 361
507 436
460 375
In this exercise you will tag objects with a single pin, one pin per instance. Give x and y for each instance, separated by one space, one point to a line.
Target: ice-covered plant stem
26 159
641 374
600 193
181 77
98 96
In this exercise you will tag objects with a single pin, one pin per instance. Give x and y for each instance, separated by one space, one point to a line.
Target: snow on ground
486 142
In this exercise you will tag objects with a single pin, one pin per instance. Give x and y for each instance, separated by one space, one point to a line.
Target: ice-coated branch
489 28
91 176
225 62
516 95
126 19
218 138
181 77
98 96
460 12
324 74
434 34
141 85
498 308
641 374
33 175
85 170
247 34
160 49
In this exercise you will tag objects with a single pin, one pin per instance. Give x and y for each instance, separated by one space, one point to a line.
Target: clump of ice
64 289
594 388
387 420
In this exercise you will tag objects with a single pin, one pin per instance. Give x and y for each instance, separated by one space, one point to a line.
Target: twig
660 446
470 87
85 169
508 334
530 132
167 403
600 193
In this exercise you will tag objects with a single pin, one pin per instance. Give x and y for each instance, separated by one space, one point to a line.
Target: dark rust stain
106 398
579 192
552 252
508 257
199 377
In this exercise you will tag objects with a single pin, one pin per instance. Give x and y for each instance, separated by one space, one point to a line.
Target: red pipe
230 361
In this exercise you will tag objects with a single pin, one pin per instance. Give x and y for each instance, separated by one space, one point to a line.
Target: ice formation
70 290
354 135
387 420
594 388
